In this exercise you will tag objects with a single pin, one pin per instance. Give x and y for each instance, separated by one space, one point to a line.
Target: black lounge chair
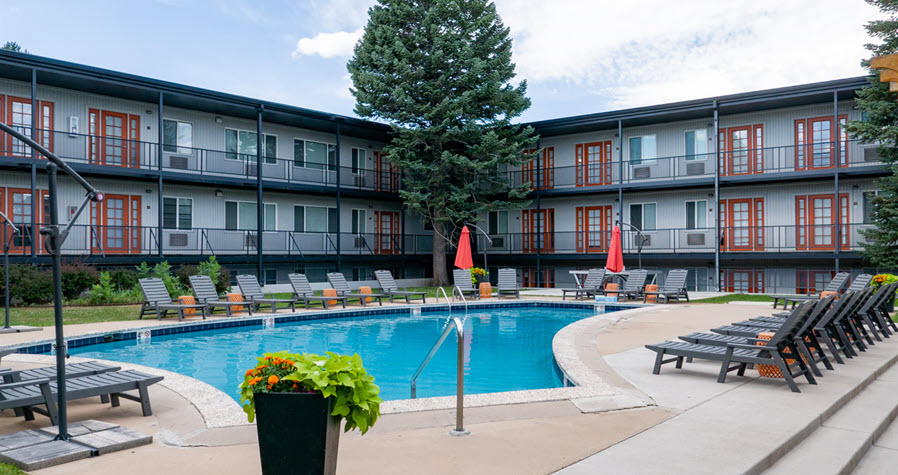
28 395
388 286
508 283
205 293
861 282
253 295
835 285
156 298
338 282
302 292
73 370
674 287
592 285
634 286
768 352
464 283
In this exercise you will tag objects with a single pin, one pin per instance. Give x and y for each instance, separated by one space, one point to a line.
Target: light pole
486 267
640 240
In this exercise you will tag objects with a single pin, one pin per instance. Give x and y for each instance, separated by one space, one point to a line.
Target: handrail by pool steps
459 372
448 302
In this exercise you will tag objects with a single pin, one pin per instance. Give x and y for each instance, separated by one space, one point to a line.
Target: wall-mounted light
616 135
710 195
855 187
149 112
219 193
149 191
710 125
218 120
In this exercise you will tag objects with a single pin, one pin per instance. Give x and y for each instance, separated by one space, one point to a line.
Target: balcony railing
138 155
697 167
772 239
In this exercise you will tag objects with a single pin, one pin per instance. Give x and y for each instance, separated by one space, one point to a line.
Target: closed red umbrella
615 261
463 255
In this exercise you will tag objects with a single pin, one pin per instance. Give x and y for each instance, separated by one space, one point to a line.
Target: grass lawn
43 316
6 469
736 298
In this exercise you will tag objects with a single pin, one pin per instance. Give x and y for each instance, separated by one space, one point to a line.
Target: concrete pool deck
537 437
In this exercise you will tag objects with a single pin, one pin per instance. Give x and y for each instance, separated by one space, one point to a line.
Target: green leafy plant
476 274
123 279
76 278
220 276
340 377
105 292
163 271
881 279
27 283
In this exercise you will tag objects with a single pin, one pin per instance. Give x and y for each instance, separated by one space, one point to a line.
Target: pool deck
534 437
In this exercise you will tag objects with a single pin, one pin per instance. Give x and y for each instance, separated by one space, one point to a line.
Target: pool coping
220 410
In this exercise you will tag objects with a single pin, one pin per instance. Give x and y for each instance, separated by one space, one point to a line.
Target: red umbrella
615 261
463 255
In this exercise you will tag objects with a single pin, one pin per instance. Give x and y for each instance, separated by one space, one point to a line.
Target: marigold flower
249 372
273 380
254 381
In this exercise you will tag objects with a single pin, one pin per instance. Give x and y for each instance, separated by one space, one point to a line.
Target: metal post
260 204
716 142
837 201
159 185
460 383
31 229
6 276
35 199
620 165
339 199
54 248
538 217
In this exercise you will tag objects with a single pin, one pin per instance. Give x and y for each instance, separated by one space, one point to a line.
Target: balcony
760 239
124 156
803 160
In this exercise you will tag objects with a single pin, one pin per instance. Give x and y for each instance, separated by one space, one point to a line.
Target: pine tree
881 126
13 46
440 72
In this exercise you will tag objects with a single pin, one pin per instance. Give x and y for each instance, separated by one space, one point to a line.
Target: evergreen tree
13 46
440 72
881 126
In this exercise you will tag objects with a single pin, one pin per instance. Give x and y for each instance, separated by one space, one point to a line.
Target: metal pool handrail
449 302
459 374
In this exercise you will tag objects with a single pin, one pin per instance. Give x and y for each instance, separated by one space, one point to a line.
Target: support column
716 142
837 202
36 201
159 184
260 226
620 166
339 198
538 218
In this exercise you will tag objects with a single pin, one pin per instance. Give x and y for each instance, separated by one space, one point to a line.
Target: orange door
741 146
116 225
545 169
815 219
594 163
815 146
19 116
744 224
742 280
385 174
388 226
114 138
532 222
593 228
18 208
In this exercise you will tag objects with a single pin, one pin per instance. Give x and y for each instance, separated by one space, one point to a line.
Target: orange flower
254 381
249 372
272 380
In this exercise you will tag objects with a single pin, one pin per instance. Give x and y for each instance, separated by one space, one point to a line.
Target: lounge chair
592 285
73 370
156 298
508 283
28 395
771 351
835 285
255 298
388 286
871 313
860 282
302 292
634 285
205 293
338 282
674 287
464 283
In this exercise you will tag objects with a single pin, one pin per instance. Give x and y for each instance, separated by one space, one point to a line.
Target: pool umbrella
615 261
463 255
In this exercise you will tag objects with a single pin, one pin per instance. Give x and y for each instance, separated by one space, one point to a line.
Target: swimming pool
506 349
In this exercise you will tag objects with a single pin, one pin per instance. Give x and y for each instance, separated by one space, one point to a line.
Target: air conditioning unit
642 172
499 242
179 163
695 239
177 239
693 169
870 152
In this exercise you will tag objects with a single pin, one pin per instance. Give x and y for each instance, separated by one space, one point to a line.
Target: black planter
297 434
890 306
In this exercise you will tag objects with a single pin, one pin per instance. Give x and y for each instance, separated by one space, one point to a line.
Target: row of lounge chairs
836 285
507 283
821 331
34 390
673 288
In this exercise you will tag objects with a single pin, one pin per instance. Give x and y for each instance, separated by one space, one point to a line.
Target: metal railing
459 328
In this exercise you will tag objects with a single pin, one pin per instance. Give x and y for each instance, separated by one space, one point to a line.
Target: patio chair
255 298
634 285
464 283
871 313
674 287
156 297
302 292
886 303
770 352
73 370
592 285
388 285
28 395
835 285
508 283
861 282
338 282
205 293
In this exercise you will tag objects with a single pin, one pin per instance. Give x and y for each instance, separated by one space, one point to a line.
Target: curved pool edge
219 410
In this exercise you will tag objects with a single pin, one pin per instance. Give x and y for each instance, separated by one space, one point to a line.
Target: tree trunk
440 273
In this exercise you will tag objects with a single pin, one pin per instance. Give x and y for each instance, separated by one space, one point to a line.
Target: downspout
260 210
837 200
36 201
159 184
538 217
337 159
716 142
620 166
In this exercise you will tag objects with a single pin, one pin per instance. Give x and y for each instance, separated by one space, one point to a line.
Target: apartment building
754 192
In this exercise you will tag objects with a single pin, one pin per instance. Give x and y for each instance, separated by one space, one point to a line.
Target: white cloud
328 45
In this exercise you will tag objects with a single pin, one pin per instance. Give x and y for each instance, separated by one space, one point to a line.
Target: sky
577 56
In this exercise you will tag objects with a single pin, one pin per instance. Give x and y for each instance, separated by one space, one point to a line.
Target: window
696 144
868 205
241 145
642 149
270 277
358 160
697 214
177 136
359 221
498 222
314 219
315 155
242 216
642 215
177 213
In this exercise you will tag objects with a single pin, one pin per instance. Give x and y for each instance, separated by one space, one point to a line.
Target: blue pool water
506 349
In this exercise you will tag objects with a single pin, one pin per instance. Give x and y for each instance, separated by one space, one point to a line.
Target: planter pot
297 434
891 306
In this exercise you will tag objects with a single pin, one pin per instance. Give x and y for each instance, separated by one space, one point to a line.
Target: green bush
76 278
27 283
163 271
220 276
184 272
105 293
123 279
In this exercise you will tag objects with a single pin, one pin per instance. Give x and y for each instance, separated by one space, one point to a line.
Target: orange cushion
187 300
330 293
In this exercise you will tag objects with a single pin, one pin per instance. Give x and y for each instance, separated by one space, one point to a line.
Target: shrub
104 292
183 274
76 278
163 271
220 276
123 279
28 283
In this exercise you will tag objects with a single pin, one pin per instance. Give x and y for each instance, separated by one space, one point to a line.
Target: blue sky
578 56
